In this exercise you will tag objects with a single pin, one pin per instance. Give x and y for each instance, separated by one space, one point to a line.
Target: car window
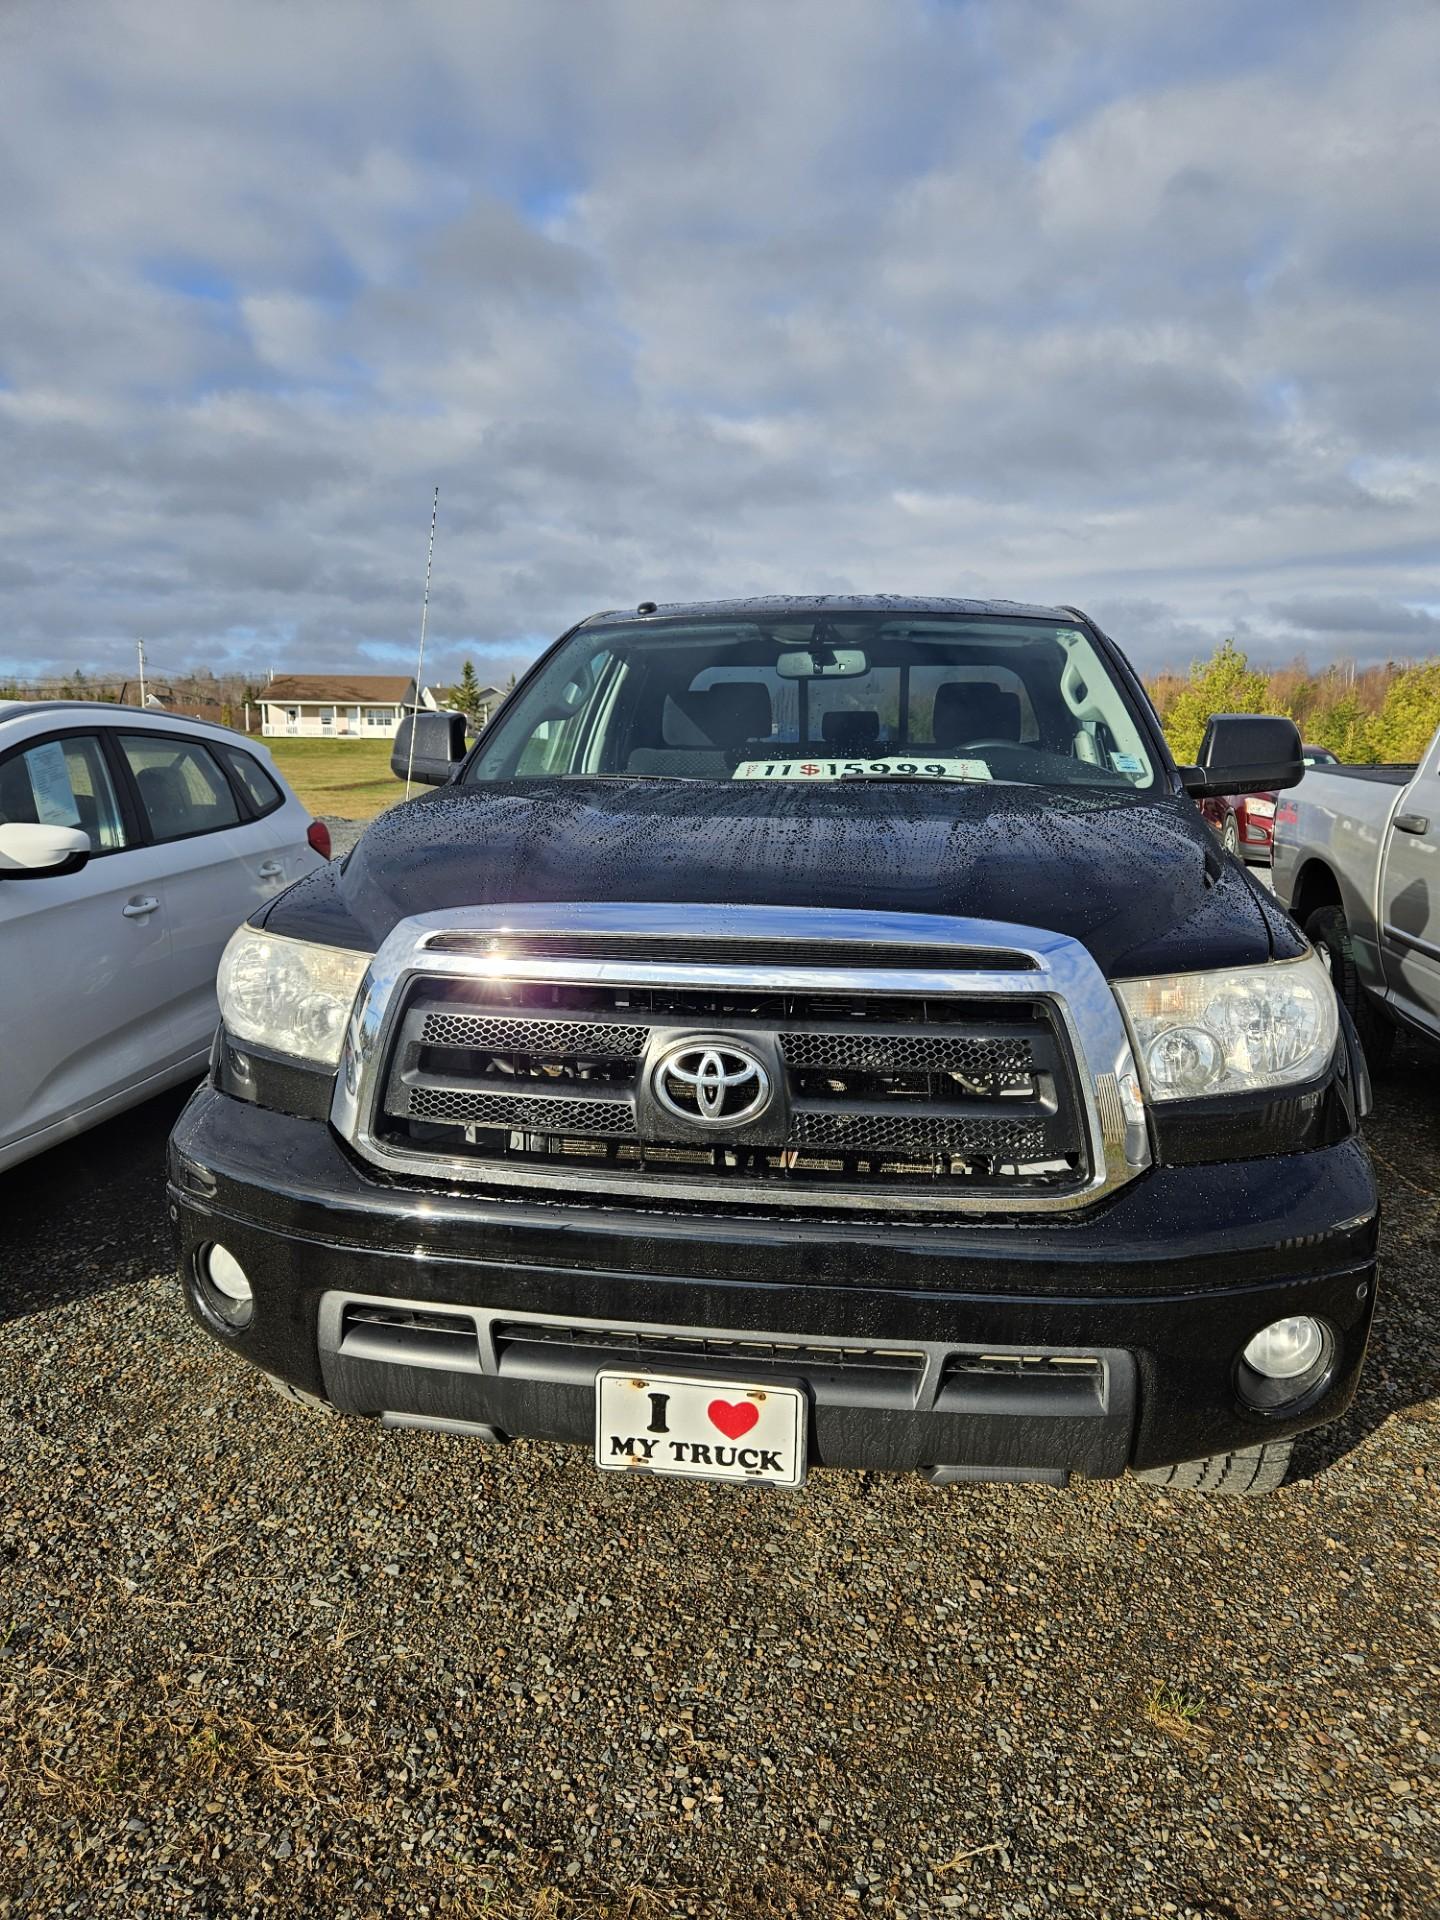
263 793
63 783
182 789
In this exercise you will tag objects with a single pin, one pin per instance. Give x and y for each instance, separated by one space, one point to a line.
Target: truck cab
1358 862
799 1033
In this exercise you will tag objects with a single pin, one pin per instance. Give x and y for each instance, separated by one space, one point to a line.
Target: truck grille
882 1091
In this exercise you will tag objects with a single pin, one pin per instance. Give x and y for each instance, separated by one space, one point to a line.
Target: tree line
1363 715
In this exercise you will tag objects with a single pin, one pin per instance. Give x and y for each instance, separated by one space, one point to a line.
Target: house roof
357 687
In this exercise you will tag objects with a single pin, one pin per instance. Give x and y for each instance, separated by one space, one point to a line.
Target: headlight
292 995
1236 1031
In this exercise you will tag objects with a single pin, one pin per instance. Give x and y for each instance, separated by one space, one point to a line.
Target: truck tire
1250 1470
1328 933
298 1397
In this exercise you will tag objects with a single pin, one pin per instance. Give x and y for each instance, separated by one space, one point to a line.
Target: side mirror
439 743
1245 753
29 852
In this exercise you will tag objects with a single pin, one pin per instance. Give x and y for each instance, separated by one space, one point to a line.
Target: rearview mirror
1245 753
439 743
825 663
30 852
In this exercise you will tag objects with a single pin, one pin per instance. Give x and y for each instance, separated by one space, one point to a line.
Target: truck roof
779 606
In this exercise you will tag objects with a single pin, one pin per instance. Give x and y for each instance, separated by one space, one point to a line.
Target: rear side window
264 795
63 783
182 788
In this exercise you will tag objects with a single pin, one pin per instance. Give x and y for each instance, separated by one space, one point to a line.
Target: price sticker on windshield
816 769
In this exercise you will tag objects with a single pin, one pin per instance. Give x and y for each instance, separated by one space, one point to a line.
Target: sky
1099 301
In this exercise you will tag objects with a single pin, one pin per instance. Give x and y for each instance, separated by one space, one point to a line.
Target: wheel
1250 1470
298 1397
1328 933
1230 835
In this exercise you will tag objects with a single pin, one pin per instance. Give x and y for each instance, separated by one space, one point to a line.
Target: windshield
868 697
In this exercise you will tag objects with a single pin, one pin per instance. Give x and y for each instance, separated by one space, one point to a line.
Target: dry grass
1177 1713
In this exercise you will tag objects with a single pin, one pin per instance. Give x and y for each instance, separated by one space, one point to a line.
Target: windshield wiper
692 779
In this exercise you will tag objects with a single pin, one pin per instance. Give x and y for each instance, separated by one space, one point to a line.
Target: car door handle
137 909
272 870
1412 823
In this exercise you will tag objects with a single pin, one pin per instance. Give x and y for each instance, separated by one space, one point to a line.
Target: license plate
699 1429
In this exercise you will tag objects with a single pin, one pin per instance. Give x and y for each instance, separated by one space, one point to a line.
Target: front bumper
1038 1348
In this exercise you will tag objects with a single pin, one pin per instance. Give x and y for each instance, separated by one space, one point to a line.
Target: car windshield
868 697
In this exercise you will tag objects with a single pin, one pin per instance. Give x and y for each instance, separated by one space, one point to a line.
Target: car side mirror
439 746
31 852
1245 753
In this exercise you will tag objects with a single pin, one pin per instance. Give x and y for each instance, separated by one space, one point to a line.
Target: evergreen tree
1225 683
464 696
1410 713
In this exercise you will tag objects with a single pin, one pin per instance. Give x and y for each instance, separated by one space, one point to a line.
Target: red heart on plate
733 1417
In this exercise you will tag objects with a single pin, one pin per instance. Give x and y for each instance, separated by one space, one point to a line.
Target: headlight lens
1237 1031
292 995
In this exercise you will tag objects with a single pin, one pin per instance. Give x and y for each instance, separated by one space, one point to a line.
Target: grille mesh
584 1038
513 1110
917 1133
908 1053
553 1072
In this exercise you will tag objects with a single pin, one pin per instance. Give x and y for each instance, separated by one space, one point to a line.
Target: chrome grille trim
1057 970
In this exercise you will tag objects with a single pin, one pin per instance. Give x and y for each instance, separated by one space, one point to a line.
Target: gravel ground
253 1661
344 833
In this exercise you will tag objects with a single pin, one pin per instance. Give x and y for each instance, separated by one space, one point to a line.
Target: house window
327 719
379 716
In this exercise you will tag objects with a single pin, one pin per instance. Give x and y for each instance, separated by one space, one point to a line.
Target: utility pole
140 649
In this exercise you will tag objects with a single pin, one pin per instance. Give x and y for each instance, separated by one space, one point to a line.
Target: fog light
224 1287
1286 1348
1286 1362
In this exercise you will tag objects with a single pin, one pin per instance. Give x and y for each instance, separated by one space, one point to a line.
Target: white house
339 706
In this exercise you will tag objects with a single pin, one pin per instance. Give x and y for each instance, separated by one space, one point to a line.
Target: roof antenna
420 662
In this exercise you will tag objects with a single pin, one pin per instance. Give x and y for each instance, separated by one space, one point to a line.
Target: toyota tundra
799 1033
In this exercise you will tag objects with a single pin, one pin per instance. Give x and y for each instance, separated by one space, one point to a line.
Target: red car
1246 823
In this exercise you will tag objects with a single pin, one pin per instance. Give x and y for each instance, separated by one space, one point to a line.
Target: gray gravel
259 1662
343 833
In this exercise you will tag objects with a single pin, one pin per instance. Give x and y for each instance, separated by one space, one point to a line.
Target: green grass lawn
348 779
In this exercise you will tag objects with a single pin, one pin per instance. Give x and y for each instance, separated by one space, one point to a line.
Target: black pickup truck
802 1032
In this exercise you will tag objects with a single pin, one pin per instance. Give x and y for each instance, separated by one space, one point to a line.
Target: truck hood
1139 880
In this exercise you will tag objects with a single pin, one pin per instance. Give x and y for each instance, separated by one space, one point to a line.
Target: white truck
1357 861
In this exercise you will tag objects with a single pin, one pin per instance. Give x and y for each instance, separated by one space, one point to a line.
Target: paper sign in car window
50 783
906 768
1128 763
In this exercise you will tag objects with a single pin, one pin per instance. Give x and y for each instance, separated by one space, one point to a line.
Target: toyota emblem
710 1083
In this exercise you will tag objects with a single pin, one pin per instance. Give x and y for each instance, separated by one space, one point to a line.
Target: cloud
1060 299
